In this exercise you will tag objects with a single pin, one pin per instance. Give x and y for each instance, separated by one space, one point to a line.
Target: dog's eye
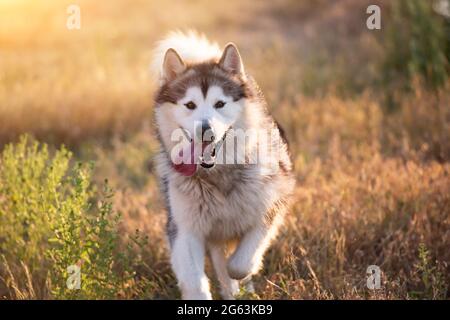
219 104
190 105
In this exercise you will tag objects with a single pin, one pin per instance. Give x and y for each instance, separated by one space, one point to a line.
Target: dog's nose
205 131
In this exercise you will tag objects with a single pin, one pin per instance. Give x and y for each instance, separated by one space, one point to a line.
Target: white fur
172 116
191 46
219 205
220 119
188 254
228 287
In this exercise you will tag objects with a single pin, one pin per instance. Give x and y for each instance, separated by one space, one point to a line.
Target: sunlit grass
372 186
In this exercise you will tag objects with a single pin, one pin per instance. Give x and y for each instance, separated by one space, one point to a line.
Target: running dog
220 201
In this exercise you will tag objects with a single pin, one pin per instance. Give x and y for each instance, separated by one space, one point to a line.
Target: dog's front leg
246 259
188 263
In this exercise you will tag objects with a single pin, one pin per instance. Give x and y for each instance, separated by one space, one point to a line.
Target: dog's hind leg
188 263
228 287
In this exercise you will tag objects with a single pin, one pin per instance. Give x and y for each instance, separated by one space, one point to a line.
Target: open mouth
206 158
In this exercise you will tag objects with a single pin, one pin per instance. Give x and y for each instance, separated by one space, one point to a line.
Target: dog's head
199 103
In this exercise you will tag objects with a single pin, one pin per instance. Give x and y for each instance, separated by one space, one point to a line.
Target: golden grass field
373 185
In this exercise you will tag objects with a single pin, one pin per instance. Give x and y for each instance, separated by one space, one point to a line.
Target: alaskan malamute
224 164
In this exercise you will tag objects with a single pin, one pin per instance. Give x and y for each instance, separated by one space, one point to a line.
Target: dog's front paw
196 291
197 295
239 268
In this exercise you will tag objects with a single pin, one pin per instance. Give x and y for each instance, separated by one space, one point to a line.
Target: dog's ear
231 60
173 65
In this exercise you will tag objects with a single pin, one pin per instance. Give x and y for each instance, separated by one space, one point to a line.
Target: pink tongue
186 169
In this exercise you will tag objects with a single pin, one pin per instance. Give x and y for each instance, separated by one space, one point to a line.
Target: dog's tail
191 46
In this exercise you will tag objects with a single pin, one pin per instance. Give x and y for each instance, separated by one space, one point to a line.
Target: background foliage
367 114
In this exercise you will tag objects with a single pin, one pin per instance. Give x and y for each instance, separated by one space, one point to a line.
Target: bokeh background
367 113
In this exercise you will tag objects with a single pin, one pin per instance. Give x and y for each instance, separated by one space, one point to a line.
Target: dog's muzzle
208 157
209 149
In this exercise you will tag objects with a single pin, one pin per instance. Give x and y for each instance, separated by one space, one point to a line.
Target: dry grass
371 186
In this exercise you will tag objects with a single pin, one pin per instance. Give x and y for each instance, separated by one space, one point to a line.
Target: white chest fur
222 205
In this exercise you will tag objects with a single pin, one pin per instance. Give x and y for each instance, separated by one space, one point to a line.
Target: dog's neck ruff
189 169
